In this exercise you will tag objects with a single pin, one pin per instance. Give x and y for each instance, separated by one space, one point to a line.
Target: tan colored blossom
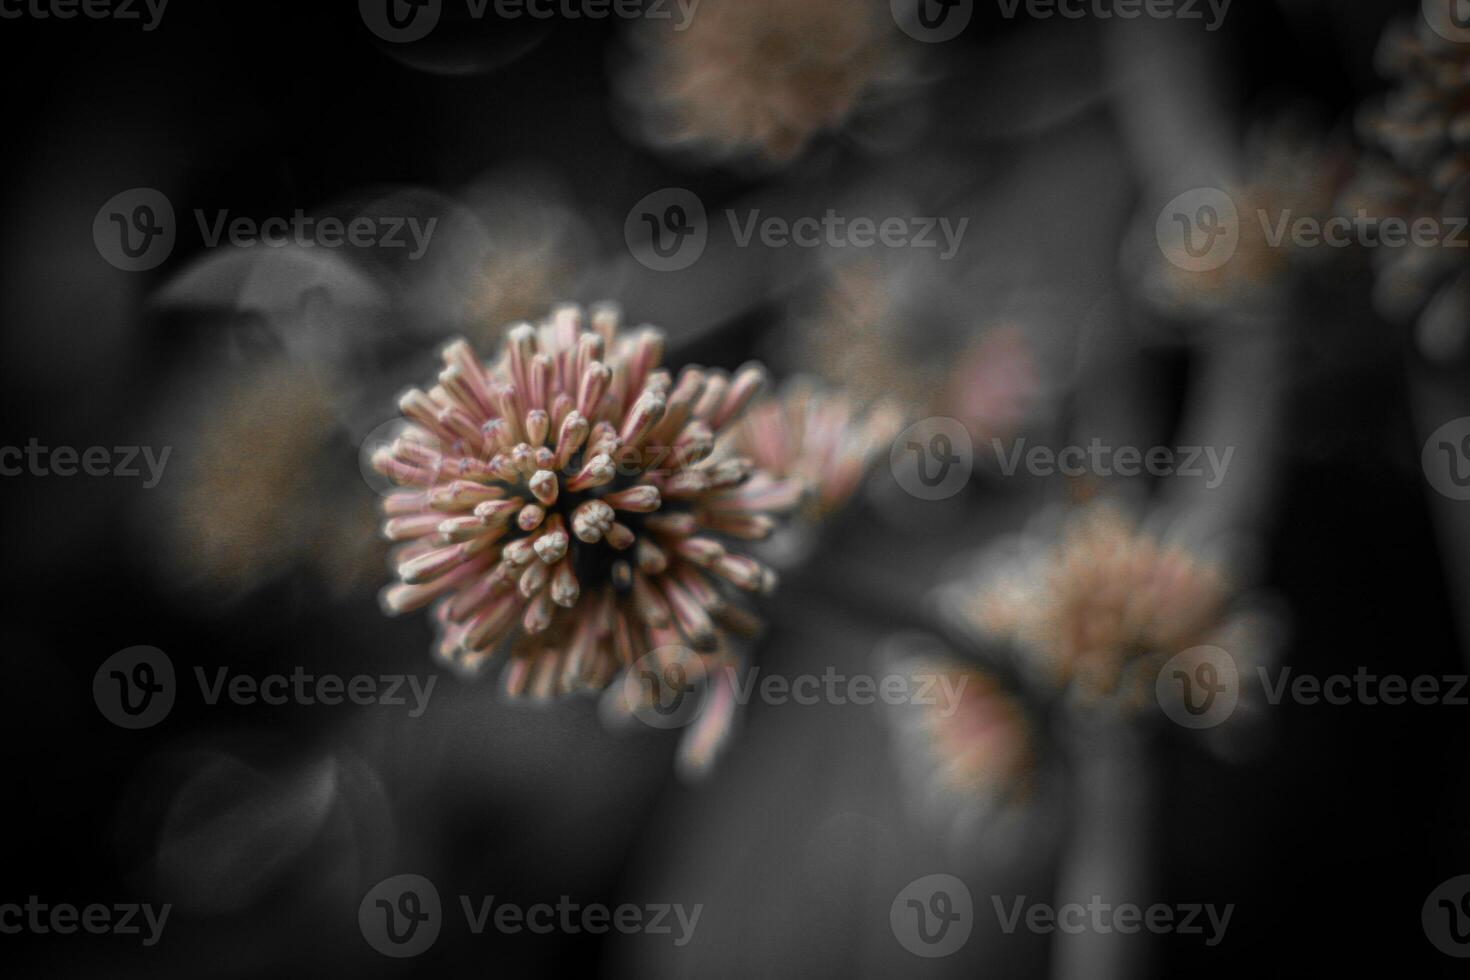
762 77
1100 609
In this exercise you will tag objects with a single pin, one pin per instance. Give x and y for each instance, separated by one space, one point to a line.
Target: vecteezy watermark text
300 687
567 916
1363 229
306 231
1100 459
38 460
406 21
1364 687
63 918
135 688
1201 687
668 230
1126 918
136 230
402 916
1201 229
1212 12
664 690
148 12
838 231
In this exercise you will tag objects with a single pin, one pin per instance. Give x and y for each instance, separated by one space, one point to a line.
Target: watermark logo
1199 230
400 21
1446 459
933 458
135 231
1446 917
667 230
665 688
933 916
1199 688
1450 19
401 916
932 21
134 688
378 445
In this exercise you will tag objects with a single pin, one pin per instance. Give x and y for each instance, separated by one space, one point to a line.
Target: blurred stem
1234 407
1437 395
1109 858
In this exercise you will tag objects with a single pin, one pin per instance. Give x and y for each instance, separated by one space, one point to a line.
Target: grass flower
1291 173
863 340
1099 609
1423 128
818 437
256 498
563 504
761 78
969 753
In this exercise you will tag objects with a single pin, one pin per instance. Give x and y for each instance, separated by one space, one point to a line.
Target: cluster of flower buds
761 78
1424 129
818 437
1099 610
565 506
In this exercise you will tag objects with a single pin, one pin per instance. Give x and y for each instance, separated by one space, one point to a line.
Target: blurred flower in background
1424 128
510 247
258 494
760 79
995 386
878 334
1095 608
1291 171
968 755
817 436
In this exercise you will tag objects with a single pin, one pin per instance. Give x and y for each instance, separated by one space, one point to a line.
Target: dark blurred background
265 826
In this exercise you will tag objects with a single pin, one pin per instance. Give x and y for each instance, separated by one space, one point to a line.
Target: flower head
1100 609
1424 124
762 77
1423 127
564 504
864 339
980 746
256 498
969 754
1290 172
995 385
817 437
